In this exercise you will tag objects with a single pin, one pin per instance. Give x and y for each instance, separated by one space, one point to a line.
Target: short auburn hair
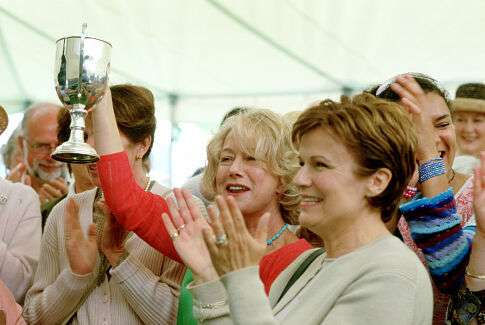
134 108
378 133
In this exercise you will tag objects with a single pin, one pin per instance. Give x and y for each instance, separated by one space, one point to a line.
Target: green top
185 315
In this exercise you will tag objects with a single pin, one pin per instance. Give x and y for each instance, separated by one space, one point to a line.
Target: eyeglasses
41 148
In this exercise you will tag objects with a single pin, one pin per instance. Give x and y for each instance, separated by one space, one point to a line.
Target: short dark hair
427 83
63 125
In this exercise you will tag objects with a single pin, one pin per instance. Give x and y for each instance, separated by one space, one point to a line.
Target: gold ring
174 235
181 227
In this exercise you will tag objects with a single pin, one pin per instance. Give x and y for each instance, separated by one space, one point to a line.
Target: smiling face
332 194
246 179
443 129
470 132
38 142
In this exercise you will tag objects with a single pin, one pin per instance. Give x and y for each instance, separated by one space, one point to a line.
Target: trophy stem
75 150
78 114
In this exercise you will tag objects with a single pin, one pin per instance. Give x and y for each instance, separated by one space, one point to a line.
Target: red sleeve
135 209
273 264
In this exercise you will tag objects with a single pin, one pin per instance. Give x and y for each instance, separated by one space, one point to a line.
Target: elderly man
37 140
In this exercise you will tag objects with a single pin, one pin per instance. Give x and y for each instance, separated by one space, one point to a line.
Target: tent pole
172 102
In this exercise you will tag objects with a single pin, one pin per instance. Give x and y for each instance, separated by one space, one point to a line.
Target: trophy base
75 153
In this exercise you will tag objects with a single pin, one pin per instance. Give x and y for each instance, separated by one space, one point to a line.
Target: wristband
431 168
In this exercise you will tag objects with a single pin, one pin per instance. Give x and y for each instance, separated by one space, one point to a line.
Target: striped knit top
440 230
143 289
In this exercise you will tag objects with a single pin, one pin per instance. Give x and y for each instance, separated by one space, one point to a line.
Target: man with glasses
37 140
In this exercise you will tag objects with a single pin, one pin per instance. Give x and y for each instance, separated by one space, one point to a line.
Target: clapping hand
230 244
185 228
19 175
479 195
82 251
114 235
52 190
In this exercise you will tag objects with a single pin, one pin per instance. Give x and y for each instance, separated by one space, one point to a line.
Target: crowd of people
366 210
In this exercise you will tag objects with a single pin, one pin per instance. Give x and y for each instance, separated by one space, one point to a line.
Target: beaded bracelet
410 192
431 168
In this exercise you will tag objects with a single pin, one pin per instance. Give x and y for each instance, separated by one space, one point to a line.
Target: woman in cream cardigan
356 158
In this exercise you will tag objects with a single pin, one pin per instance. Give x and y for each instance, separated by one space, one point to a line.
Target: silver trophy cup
81 77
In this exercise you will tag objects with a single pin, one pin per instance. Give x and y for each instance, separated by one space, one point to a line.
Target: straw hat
3 119
470 97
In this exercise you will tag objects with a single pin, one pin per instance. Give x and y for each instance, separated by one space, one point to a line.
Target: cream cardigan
143 289
20 233
380 283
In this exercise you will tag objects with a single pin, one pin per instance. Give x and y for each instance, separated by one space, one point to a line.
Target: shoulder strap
301 269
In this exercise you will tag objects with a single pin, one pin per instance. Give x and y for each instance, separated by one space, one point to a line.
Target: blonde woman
356 158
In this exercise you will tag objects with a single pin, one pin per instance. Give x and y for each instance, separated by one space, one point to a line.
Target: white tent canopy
212 55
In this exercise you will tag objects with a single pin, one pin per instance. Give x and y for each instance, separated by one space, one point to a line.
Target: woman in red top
250 158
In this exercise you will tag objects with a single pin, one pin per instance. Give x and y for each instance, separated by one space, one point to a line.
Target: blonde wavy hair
266 136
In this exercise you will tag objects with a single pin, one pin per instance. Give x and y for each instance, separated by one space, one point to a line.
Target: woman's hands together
230 244
185 228
224 245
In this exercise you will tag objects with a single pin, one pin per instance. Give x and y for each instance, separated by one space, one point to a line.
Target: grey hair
31 110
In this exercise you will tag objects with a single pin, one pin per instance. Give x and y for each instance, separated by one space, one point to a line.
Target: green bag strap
185 314
301 269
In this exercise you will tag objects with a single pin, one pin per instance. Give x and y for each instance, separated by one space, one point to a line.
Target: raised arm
434 223
135 209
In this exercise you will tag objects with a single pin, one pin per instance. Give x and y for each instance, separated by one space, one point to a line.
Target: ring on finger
221 240
174 235
181 227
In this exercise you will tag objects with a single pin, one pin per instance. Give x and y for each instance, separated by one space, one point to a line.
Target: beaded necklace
270 241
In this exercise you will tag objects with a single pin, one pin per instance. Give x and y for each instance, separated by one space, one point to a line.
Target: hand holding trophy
81 77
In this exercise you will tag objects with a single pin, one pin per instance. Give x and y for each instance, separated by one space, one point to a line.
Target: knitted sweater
143 289
440 230
20 232
380 283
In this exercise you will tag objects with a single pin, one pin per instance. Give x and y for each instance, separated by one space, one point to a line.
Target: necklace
270 241
148 184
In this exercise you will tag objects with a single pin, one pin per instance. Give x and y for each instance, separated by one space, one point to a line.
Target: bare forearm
106 134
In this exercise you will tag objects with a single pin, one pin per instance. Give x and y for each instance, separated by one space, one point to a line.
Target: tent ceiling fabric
215 53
